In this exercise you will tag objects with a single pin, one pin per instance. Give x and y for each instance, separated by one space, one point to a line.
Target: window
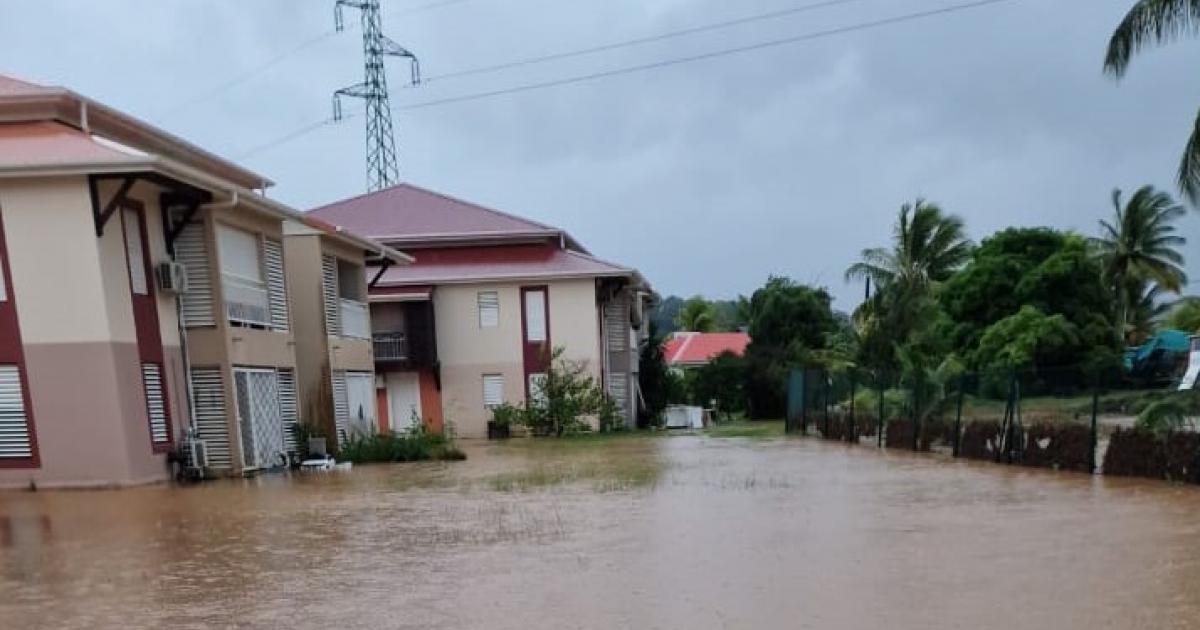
354 317
156 403
535 316
3 284
493 390
489 309
14 423
131 223
246 297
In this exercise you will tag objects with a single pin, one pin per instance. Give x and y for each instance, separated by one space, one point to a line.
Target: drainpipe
183 343
83 116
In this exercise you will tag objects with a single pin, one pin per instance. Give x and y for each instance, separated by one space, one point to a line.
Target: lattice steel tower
382 167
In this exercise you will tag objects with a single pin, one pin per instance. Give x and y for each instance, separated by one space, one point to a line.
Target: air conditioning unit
197 453
172 277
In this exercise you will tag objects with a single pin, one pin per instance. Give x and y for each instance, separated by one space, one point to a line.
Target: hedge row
1139 453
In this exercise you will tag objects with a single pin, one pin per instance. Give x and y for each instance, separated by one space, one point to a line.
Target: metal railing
355 319
246 300
390 346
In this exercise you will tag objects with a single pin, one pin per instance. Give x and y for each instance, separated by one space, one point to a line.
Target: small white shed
684 417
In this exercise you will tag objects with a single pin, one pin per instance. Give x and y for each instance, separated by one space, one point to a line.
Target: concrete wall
467 352
75 313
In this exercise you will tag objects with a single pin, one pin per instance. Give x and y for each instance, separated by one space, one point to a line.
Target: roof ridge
445 196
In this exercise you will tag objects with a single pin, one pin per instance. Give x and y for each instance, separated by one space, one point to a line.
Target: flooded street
680 532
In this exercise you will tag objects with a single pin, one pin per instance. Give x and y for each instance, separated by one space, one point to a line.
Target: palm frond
1149 22
1189 164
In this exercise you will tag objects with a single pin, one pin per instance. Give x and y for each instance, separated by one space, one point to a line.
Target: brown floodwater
681 532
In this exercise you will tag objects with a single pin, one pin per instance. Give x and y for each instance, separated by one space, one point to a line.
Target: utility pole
383 169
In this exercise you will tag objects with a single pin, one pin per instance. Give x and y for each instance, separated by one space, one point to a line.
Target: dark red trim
12 351
536 355
145 318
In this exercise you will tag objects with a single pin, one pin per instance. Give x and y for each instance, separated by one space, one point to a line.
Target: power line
642 40
249 74
908 17
239 79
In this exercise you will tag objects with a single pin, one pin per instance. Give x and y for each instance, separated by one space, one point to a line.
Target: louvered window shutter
212 425
191 250
15 441
341 405
329 288
288 409
276 285
156 407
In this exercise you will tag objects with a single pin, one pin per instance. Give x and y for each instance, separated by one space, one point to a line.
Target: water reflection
685 532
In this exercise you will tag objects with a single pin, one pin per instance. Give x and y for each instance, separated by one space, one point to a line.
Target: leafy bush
414 444
568 395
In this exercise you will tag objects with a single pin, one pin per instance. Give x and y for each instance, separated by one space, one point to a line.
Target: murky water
681 532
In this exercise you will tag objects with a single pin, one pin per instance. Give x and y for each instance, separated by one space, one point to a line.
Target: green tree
788 323
928 246
1050 270
697 315
1185 315
657 384
1157 22
1140 248
722 381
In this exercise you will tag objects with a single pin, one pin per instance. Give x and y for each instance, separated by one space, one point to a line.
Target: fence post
852 429
879 420
916 416
825 401
958 417
804 401
1094 436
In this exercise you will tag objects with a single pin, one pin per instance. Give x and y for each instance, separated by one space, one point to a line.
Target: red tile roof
16 87
45 143
410 213
691 348
495 263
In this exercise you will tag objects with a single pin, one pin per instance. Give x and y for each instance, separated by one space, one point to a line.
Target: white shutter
156 408
616 324
134 256
535 316
276 285
341 406
489 309
288 409
493 390
212 425
618 390
191 250
329 292
239 253
15 441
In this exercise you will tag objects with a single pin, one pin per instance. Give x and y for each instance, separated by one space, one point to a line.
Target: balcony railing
390 346
356 319
246 300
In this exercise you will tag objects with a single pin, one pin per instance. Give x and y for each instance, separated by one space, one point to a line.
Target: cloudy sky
707 175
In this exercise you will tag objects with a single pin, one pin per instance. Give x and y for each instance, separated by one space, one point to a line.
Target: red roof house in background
693 349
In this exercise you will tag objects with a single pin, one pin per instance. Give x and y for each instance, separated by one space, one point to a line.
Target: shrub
899 433
566 397
1058 445
980 440
1135 453
415 444
1182 453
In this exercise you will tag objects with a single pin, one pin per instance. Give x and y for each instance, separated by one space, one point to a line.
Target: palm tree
927 247
1157 22
696 315
1139 248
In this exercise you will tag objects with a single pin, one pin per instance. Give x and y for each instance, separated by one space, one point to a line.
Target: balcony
390 346
246 300
355 319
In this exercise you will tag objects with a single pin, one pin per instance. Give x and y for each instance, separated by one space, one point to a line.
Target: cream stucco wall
467 352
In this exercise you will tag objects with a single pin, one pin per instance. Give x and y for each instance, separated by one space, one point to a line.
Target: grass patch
612 476
747 429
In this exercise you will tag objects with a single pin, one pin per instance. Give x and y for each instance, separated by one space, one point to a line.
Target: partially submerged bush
412 445
565 398
1065 446
1135 453
899 433
980 440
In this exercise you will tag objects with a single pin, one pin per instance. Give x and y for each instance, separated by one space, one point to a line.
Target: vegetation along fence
1066 418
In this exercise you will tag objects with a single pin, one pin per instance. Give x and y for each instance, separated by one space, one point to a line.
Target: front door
404 398
260 423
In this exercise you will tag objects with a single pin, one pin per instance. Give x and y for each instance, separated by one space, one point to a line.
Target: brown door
535 334
145 318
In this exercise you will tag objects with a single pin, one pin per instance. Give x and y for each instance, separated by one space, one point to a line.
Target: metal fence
1047 417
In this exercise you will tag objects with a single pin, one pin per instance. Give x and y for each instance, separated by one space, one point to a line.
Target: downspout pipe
183 343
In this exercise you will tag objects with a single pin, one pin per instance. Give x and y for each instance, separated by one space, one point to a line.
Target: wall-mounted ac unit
172 277
197 453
